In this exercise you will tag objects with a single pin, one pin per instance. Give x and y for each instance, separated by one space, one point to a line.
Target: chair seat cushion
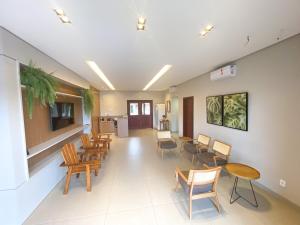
197 189
168 144
191 148
208 158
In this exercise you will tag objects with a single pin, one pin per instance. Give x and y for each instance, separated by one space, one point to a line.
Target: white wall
19 193
115 102
272 79
22 51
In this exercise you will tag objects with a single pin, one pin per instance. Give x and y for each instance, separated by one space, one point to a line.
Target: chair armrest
179 173
215 159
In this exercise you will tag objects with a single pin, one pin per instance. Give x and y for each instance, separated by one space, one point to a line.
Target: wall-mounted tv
61 115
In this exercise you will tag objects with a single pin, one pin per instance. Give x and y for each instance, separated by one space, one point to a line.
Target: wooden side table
164 124
244 172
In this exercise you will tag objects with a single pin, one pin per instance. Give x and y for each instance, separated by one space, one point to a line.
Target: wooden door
188 117
140 114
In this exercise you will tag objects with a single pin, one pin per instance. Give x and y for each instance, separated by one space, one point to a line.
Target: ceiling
105 32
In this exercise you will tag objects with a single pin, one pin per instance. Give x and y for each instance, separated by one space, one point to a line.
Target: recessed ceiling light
59 12
98 71
65 19
62 16
157 76
142 20
203 33
209 27
140 27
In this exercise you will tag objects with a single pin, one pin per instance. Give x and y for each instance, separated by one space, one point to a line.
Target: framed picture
235 111
168 106
214 110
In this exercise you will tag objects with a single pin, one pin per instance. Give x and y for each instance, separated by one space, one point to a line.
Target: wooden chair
199 184
102 137
92 148
76 166
218 156
165 142
199 145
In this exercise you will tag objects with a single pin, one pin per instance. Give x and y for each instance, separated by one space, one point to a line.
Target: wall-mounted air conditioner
224 72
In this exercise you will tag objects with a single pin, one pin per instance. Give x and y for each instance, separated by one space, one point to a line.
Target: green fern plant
88 101
39 85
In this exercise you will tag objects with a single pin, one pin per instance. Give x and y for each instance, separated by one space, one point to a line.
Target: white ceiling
105 32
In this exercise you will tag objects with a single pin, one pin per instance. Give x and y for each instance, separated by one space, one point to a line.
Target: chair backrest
164 134
94 134
204 177
85 140
203 139
221 148
69 154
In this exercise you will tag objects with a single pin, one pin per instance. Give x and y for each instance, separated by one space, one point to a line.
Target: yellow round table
244 172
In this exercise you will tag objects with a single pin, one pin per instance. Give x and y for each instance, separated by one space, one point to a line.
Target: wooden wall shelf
61 93
51 142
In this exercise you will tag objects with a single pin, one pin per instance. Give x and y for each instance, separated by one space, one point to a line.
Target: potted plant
38 85
88 101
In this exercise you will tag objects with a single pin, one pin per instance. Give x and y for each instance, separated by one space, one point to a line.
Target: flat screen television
61 115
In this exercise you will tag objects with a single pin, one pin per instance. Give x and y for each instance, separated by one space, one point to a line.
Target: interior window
146 108
134 109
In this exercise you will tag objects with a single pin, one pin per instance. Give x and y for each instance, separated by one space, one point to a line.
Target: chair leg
193 158
217 203
190 208
68 178
162 154
88 178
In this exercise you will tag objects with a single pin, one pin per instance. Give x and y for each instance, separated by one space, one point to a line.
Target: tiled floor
136 187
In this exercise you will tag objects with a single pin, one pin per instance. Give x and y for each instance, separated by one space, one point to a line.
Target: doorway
188 117
140 114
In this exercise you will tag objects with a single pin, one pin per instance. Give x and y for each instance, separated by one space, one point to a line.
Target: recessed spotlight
59 12
142 20
209 27
65 19
140 27
62 16
203 33
141 23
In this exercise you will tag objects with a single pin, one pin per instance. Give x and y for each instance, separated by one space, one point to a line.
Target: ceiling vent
224 72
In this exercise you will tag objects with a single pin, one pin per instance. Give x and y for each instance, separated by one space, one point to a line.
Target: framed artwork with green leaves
235 111
214 110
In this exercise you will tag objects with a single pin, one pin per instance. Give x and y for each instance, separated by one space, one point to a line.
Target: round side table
245 172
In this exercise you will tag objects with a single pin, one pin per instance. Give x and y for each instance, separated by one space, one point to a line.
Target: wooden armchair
93 148
199 184
76 166
165 142
219 155
102 137
199 145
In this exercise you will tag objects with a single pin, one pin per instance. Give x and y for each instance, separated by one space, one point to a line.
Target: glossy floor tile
136 187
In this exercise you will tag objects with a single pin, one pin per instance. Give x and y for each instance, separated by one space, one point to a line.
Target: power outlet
282 183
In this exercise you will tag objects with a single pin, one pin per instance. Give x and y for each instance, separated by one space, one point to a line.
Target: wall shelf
61 93
53 141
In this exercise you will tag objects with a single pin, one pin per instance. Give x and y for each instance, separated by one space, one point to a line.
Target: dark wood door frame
140 121
188 116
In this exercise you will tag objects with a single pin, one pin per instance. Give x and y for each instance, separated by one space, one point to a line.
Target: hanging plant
88 101
39 85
